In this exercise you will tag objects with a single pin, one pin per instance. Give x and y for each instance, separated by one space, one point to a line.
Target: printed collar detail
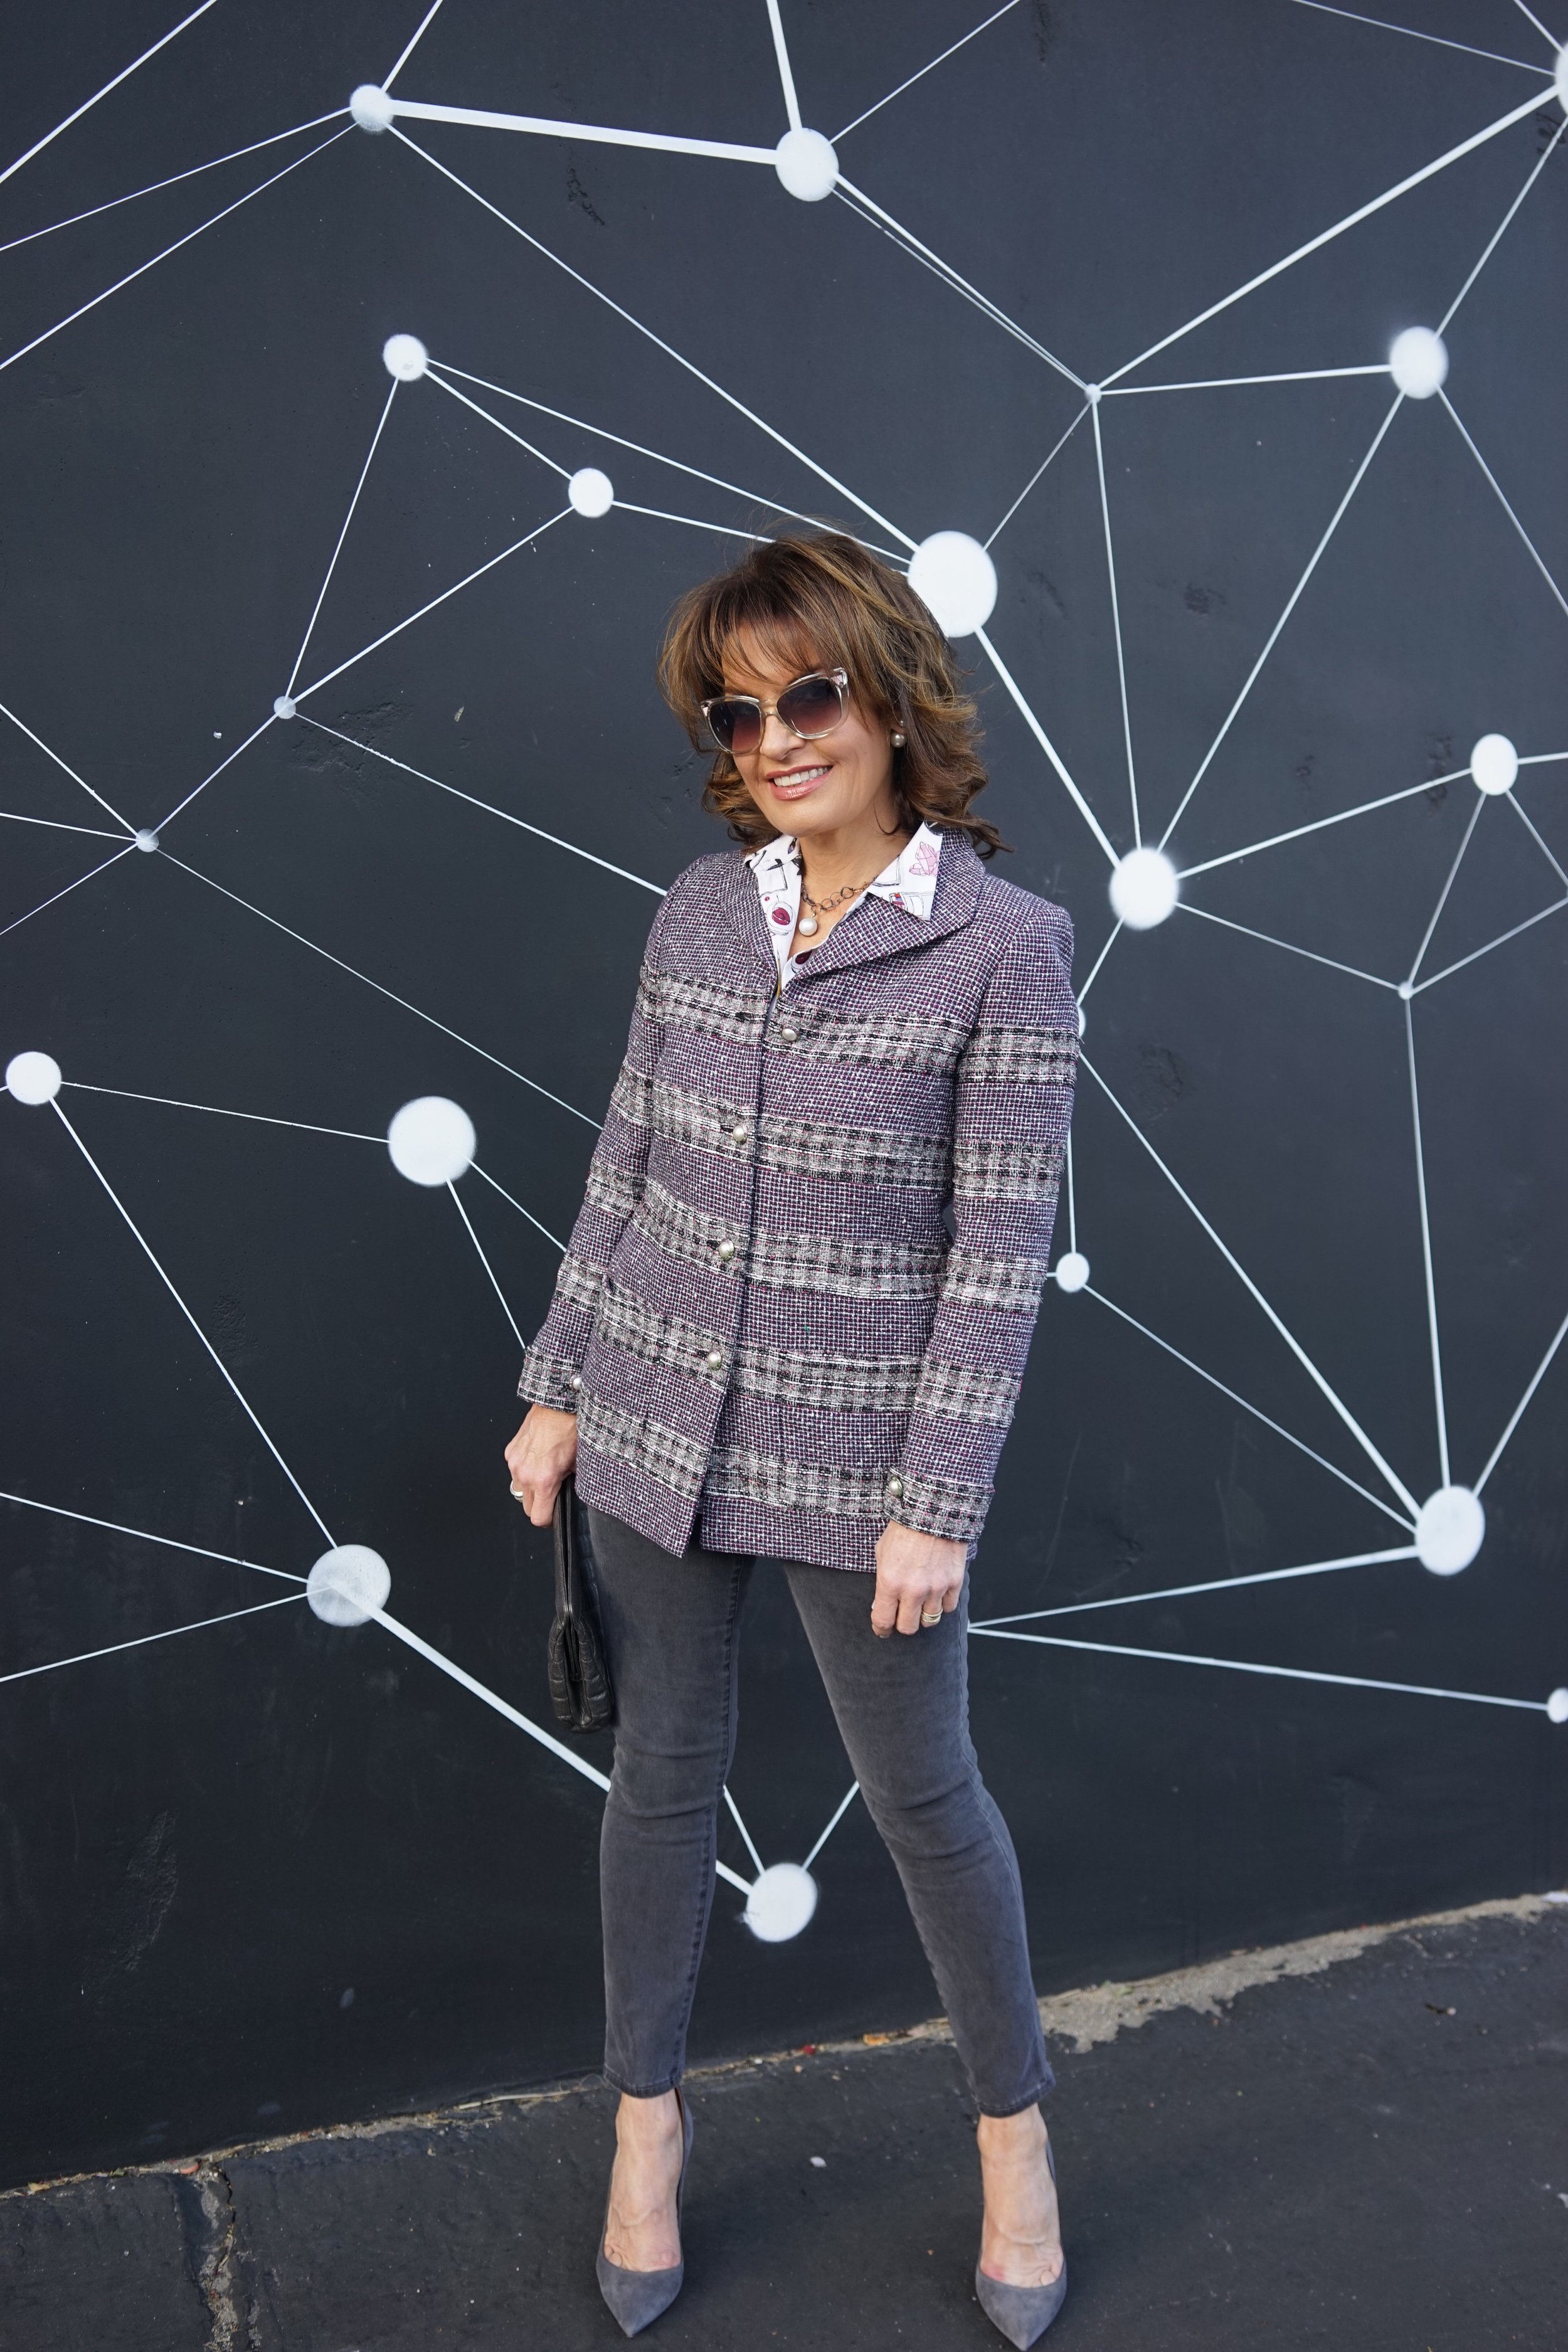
910 882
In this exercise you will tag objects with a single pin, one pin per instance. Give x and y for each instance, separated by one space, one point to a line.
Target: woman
791 1322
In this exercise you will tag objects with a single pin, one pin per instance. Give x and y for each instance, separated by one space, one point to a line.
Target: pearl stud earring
898 742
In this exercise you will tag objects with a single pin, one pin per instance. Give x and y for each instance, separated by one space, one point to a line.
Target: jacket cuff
550 1379
937 1507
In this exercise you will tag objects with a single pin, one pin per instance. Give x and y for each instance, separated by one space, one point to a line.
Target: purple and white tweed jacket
771 1339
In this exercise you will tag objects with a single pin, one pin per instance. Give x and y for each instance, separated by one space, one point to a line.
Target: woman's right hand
538 1457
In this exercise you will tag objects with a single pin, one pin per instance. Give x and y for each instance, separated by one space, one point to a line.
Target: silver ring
519 1493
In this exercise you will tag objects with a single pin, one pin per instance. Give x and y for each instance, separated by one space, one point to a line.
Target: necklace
808 924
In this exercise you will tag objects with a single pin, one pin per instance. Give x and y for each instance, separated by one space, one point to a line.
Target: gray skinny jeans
902 1709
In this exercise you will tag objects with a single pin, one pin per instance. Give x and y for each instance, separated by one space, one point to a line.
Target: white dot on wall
956 581
33 1077
432 1140
1557 1706
1494 764
1072 1270
348 1584
1418 363
590 492
1143 889
371 107
780 1902
405 357
807 165
146 839
284 706
1449 1530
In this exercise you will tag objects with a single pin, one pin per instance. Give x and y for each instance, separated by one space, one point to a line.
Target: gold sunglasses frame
765 711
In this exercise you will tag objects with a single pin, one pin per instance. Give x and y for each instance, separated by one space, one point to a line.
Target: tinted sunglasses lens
736 726
812 706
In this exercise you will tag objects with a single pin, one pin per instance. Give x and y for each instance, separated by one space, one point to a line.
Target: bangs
768 619
780 642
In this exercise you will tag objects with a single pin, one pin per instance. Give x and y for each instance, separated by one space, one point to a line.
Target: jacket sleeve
1014 1091
553 1361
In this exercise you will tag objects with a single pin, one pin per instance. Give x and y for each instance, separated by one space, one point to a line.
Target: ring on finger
934 1617
519 1493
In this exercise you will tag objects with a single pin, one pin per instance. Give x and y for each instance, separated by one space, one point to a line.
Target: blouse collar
908 881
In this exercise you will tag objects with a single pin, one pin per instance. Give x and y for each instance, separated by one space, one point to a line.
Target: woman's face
813 787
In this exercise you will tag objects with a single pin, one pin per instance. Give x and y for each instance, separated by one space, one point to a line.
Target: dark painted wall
205 1843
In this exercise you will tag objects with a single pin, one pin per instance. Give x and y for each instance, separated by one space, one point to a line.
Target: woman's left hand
917 1576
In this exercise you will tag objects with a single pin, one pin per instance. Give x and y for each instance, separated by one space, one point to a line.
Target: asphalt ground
1360 2144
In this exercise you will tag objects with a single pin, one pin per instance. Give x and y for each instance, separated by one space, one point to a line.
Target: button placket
737 1130
735 1127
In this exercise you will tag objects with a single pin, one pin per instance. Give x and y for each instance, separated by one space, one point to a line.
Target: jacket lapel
875 928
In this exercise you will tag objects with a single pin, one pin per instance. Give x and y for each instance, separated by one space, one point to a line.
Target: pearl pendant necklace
807 924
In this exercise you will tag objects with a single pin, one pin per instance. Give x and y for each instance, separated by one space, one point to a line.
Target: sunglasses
809 707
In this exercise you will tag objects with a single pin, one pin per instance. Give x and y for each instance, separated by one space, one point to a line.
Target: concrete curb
1080 2020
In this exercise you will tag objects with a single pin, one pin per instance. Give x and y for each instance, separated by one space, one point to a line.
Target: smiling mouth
796 779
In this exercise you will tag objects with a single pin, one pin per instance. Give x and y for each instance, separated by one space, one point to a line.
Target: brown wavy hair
818 600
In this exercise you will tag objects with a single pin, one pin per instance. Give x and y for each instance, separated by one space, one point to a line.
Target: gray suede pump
637 2297
1023 2314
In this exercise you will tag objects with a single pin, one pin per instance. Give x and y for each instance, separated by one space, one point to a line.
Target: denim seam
710 1849
1009 1861
1010 1870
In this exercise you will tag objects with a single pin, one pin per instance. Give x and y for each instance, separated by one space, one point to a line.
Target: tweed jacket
798 1298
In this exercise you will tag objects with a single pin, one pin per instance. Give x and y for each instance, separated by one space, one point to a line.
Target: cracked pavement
1360 2142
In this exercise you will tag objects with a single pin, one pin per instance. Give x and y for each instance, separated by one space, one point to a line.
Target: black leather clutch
580 1688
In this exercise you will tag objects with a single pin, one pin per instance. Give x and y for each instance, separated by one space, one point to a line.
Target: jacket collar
875 928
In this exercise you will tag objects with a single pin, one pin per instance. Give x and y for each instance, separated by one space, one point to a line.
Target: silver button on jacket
885 1234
